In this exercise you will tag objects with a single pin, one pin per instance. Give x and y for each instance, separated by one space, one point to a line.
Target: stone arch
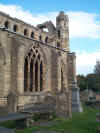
6 24
32 34
25 32
22 54
34 75
15 28
38 46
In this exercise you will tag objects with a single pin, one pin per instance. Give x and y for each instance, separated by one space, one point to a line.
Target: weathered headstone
76 103
12 102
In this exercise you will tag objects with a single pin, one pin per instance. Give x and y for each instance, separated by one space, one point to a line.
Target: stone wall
58 62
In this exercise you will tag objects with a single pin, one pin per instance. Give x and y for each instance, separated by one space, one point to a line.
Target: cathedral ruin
35 63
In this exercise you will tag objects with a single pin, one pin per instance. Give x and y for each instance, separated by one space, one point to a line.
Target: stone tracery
33 71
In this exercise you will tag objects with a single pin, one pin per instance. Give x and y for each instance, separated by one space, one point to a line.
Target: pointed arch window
25 32
32 34
6 24
33 71
15 28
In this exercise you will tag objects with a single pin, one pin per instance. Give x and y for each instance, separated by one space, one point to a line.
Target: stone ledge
6 130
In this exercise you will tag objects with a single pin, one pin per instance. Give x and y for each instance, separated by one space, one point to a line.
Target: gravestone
12 102
76 103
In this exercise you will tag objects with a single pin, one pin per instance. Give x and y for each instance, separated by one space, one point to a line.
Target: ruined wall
58 62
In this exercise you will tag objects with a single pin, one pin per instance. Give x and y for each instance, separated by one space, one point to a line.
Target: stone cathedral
36 63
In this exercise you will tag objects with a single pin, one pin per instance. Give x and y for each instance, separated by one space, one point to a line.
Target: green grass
8 124
79 123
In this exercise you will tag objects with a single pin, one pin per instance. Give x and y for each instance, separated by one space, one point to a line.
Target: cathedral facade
34 62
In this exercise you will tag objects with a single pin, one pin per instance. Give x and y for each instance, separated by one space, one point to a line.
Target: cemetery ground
80 123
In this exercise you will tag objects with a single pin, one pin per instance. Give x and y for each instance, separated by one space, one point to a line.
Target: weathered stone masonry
34 62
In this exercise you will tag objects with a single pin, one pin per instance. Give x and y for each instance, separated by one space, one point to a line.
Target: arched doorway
33 71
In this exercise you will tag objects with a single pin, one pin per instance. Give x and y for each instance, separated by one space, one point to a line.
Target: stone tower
62 26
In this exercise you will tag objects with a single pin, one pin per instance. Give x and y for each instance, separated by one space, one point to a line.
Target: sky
84 24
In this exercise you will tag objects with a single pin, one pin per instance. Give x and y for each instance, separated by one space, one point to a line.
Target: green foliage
80 123
36 117
9 124
91 81
53 116
97 68
81 81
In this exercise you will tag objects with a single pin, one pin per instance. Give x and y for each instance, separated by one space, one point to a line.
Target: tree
97 68
93 81
81 81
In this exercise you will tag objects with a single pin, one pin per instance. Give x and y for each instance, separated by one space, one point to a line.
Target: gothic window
25 31
33 71
59 34
32 35
6 24
15 28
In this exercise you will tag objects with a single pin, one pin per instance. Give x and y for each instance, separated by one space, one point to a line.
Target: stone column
7 75
45 77
76 104
54 70
20 74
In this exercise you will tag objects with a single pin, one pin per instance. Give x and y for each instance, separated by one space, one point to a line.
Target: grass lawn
79 123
